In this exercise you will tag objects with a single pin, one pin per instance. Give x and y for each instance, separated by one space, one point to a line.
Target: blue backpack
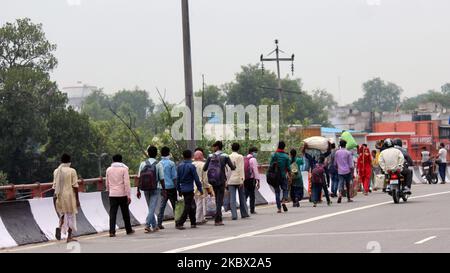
214 170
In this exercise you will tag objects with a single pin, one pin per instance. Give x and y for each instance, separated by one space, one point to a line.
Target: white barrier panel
417 175
45 215
94 210
138 207
266 190
5 239
305 184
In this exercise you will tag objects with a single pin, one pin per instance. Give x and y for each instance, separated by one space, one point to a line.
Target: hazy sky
118 44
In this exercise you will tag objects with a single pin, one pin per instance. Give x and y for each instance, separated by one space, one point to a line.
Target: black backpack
147 179
274 173
214 171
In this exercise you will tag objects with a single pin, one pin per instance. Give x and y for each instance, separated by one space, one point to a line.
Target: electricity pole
189 98
203 91
277 59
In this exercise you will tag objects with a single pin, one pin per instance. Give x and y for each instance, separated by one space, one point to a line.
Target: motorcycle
429 171
396 185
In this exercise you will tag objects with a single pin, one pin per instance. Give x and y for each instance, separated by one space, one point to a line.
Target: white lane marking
425 240
351 232
313 219
96 236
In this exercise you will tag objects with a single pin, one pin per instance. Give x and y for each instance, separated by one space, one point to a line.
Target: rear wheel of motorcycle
396 196
434 179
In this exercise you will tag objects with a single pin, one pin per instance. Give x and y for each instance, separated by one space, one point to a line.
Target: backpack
147 179
331 168
247 170
294 170
274 173
214 170
317 174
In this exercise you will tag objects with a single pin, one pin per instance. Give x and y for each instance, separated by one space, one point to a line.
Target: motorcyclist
391 159
407 173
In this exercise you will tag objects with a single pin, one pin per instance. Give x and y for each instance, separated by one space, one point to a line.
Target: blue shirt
170 172
187 175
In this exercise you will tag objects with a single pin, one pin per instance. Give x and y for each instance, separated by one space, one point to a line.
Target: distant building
421 131
77 93
216 128
349 118
305 131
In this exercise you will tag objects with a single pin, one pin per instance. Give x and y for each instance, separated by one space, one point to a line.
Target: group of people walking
163 181
196 177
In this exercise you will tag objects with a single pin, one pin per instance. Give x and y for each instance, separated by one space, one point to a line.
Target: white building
77 93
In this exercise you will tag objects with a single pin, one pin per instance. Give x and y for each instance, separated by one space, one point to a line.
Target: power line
277 59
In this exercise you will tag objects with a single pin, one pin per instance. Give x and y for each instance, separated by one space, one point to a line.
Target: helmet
388 143
397 142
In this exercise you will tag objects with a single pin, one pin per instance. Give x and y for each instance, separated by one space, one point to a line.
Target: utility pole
277 59
339 89
189 98
203 91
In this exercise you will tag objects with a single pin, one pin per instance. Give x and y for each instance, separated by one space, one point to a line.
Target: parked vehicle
430 171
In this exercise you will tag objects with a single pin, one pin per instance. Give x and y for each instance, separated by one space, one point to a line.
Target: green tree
445 89
324 99
379 96
135 104
129 104
96 106
3 182
251 86
411 104
72 133
212 95
27 97
24 44
119 140
159 120
433 96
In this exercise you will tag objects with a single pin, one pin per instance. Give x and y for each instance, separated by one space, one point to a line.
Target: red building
415 135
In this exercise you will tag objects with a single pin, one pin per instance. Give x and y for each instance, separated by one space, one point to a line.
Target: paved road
369 224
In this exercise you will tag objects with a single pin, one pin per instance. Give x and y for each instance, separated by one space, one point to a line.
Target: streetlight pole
188 68
99 161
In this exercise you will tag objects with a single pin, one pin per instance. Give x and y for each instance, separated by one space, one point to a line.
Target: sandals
71 240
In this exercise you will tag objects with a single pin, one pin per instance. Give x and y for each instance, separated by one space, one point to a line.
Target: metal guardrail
39 190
